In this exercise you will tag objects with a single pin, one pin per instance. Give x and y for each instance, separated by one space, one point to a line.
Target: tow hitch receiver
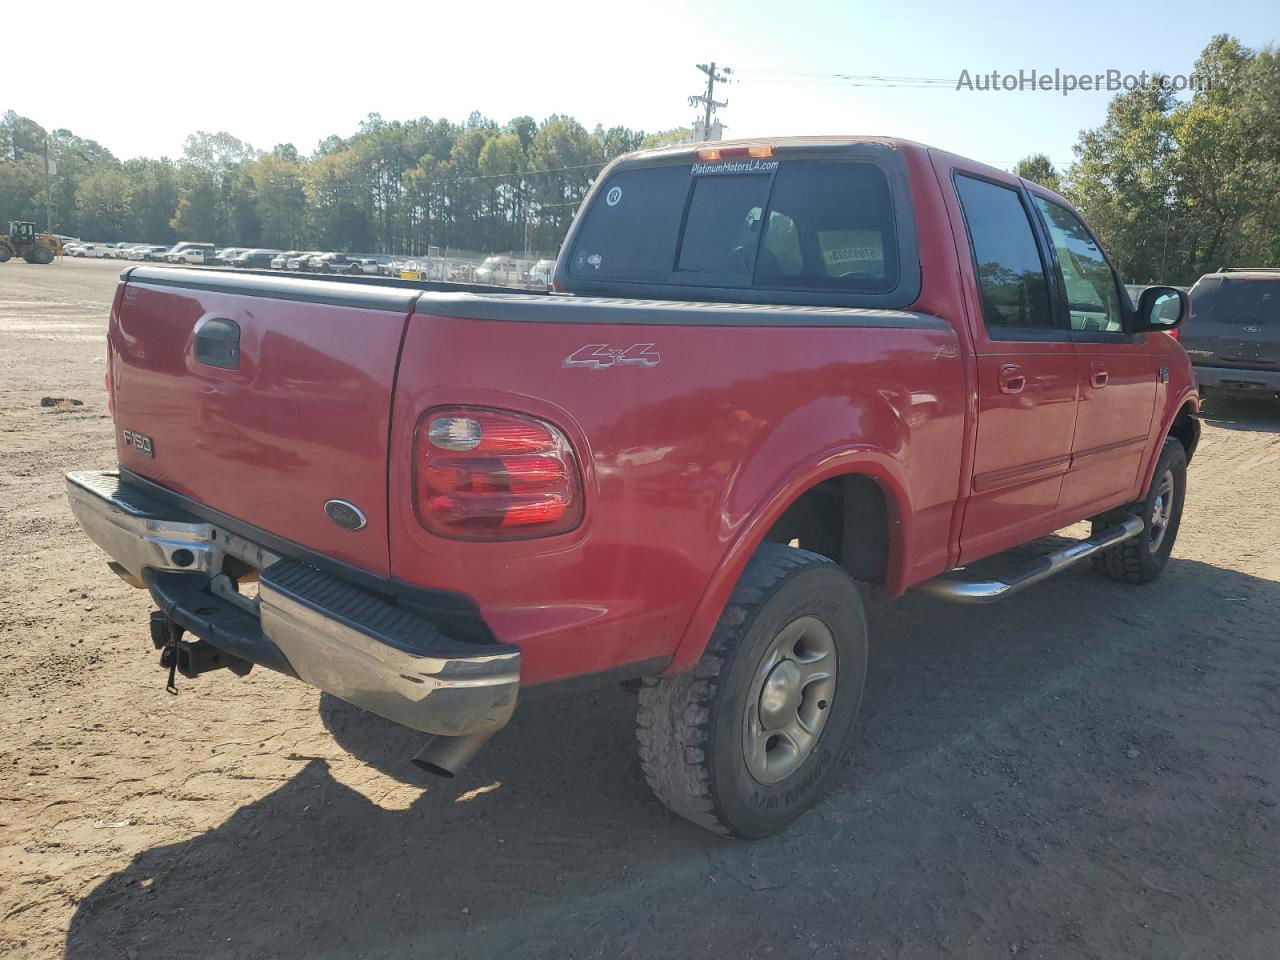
189 657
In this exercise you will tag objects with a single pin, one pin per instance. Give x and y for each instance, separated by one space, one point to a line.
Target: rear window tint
1236 301
813 225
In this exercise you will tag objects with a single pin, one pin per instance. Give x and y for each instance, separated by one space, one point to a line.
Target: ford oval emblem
346 515
1252 328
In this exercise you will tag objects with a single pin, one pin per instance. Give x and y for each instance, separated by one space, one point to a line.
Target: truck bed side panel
678 457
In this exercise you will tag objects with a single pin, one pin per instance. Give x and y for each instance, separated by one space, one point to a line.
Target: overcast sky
138 77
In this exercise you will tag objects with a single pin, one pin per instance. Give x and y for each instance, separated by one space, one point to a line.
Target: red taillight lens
483 474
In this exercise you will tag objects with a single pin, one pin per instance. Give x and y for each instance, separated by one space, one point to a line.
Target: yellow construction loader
23 241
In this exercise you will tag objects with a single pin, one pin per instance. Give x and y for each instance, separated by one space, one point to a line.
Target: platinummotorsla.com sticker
754 165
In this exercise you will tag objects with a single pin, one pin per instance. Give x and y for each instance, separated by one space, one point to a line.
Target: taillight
482 474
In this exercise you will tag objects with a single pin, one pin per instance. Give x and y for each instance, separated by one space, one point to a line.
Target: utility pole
707 100
48 188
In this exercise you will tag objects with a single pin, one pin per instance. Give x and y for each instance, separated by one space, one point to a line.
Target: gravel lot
1088 770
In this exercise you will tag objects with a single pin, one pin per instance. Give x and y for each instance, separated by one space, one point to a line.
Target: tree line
392 187
1175 188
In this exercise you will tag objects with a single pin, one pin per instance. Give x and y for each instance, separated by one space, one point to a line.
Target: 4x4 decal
601 356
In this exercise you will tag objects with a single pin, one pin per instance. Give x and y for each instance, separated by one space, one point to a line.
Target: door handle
1012 379
1098 375
217 344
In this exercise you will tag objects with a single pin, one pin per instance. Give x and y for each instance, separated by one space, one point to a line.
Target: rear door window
1011 275
803 225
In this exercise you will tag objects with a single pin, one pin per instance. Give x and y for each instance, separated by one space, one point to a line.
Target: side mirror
1161 309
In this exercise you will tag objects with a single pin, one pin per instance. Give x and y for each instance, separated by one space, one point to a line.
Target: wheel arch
871 491
1181 421
1186 426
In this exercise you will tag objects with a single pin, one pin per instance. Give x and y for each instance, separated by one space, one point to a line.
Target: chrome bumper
320 628
1239 380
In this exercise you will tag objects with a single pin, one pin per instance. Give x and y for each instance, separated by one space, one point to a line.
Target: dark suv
1233 334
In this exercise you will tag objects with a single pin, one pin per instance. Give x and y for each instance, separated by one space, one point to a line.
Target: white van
506 271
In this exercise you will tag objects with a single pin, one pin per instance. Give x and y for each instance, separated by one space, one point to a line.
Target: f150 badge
139 441
601 356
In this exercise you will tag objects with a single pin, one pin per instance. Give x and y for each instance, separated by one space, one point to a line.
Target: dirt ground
1087 770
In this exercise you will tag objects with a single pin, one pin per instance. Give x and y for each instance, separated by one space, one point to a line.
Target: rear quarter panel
685 464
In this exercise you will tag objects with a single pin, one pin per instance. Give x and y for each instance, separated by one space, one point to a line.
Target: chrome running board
1041 568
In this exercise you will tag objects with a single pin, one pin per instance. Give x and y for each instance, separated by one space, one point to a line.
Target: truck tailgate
263 398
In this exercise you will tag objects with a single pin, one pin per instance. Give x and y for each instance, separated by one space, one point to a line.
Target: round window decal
614 196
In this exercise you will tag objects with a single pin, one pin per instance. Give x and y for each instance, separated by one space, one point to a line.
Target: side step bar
1041 568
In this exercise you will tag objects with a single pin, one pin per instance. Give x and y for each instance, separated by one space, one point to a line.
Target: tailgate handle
218 344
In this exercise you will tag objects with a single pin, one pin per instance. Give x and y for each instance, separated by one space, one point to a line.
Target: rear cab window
791 228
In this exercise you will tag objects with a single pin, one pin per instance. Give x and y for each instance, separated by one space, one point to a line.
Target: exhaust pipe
445 756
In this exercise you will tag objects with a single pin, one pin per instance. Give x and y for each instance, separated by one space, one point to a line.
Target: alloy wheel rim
1161 511
790 699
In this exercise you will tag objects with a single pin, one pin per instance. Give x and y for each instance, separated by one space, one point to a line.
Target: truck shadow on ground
550 844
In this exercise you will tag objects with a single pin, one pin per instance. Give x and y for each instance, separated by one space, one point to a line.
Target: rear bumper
305 623
1239 380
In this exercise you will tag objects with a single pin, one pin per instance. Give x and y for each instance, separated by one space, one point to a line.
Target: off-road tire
40 255
5 252
690 726
1135 560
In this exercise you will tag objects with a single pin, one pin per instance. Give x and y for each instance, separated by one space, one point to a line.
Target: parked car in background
97 250
539 275
256 259
506 271
124 250
154 252
302 262
226 254
336 263
281 260
1233 334
188 252
184 252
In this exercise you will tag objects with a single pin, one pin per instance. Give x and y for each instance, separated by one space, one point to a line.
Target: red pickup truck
768 372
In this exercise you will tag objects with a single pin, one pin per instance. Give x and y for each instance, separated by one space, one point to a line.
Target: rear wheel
5 252
748 739
1143 558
